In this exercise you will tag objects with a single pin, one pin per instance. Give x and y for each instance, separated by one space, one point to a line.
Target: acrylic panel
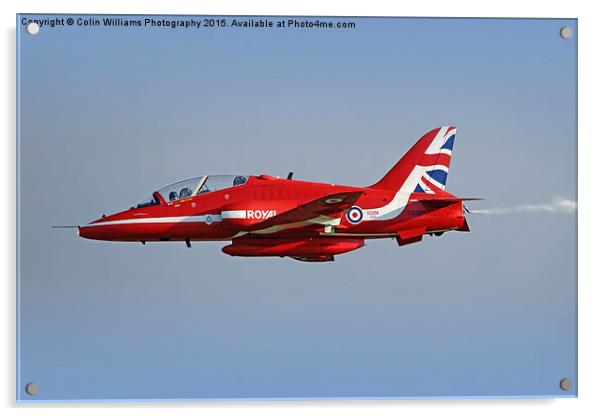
424 244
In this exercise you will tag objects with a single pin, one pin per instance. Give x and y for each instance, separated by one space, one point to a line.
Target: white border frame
588 150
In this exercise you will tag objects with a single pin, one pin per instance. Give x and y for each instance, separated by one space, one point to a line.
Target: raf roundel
355 215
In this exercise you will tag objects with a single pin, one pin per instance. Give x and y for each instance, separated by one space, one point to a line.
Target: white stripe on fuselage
212 218
236 214
399 201
205 218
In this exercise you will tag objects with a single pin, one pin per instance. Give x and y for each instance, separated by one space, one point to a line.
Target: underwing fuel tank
320 246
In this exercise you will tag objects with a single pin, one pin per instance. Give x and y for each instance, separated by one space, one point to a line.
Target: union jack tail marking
435 162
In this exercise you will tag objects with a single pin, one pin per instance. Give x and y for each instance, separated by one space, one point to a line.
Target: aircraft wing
318 211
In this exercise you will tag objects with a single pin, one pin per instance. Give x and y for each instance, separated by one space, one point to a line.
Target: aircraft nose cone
93 231
84 231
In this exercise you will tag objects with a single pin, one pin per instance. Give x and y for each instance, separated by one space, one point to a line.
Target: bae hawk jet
308 221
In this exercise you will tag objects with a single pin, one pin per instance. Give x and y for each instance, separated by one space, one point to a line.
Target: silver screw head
566 384
566 32
33 28
31 389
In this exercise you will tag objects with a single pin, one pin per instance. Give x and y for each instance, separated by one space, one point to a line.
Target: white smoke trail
555 206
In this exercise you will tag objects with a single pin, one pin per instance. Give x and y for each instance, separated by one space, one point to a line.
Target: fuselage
231 212
309 221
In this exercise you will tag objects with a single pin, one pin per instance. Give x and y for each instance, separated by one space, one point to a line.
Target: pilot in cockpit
239 180
185 193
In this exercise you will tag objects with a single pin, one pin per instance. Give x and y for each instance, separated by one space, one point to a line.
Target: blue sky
109 114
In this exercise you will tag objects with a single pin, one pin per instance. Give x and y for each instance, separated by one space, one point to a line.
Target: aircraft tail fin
425 166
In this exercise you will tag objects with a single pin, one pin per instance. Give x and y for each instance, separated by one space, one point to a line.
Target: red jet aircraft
308 221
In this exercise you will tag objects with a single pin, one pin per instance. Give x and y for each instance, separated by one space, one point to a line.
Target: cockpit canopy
193 186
